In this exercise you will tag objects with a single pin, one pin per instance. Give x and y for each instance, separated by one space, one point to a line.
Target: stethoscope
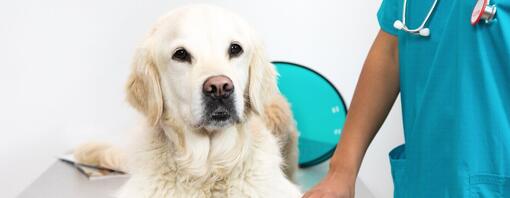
482 11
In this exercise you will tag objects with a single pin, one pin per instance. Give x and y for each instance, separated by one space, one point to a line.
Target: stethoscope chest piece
483 11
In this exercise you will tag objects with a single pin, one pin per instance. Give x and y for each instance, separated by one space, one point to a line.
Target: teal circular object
318 108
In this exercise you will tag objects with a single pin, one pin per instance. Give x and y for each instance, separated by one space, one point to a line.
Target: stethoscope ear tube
399 25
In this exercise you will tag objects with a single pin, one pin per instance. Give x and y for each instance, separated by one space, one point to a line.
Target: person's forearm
376 91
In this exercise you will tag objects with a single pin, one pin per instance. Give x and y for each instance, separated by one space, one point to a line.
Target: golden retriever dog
216 123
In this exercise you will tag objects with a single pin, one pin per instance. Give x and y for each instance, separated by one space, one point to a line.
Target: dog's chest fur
188 164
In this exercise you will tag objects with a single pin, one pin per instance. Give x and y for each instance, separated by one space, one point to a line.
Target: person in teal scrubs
455 92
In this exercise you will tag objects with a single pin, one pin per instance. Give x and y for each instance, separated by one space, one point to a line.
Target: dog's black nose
218 87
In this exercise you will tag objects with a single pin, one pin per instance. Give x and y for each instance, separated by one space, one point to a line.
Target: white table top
63 180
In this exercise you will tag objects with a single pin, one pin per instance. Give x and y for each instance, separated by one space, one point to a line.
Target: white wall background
63 64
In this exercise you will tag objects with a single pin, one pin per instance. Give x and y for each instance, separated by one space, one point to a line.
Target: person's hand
333 185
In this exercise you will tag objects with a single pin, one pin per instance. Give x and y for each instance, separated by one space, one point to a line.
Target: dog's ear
262 85
143 87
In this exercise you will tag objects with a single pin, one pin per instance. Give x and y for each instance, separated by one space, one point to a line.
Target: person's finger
313 194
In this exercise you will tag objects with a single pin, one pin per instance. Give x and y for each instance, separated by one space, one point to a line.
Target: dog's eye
182 55
234 50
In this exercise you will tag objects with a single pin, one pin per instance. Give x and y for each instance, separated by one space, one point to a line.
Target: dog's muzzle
219 101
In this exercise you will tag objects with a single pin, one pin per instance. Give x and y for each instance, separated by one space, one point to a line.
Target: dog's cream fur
177 156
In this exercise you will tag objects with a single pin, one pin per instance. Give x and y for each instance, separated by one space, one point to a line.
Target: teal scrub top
455 92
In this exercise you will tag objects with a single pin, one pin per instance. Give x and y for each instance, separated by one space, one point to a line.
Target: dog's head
203 66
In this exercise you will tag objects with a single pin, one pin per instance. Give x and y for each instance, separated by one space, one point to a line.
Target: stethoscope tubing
404 10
